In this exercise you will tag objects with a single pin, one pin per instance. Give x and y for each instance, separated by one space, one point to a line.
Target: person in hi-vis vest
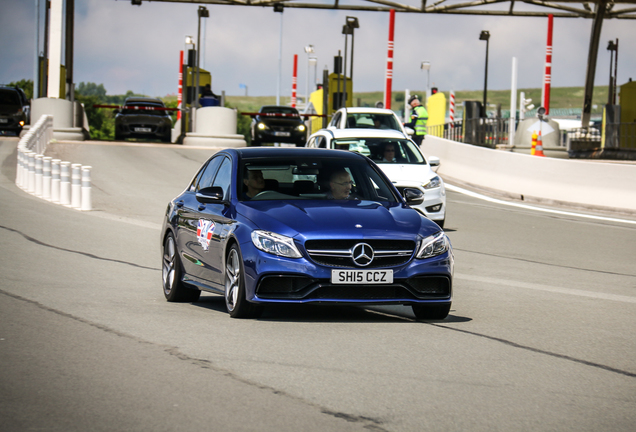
419 118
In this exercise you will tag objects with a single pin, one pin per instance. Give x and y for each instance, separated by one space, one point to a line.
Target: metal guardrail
485 132
490 132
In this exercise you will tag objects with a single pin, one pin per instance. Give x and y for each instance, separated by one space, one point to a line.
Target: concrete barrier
593 185
215 127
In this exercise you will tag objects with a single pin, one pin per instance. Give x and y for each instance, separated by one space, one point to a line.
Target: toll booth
189 82
316 101
190 92
336 89
436 108
470 121
43 72
628 115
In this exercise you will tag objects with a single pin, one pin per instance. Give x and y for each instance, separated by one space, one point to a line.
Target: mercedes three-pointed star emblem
362 254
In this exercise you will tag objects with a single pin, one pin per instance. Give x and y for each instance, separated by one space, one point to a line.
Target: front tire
440 223
171 273
431 313
235 301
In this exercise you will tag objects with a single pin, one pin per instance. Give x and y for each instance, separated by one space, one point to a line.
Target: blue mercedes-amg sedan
292 225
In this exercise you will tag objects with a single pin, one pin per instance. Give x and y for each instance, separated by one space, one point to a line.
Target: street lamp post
202 13
426 65
185 77
485 35
612 47
350 24
309 49
278 7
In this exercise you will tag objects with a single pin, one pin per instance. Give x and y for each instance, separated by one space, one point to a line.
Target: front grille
339 253
280 128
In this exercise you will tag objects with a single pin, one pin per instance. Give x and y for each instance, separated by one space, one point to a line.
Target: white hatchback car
405 167
366 118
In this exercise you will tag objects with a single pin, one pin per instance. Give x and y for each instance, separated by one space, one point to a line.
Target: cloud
137 48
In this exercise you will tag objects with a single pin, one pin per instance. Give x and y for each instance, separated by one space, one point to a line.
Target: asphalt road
540 336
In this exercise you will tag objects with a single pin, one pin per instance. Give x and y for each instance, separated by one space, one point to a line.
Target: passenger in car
254 183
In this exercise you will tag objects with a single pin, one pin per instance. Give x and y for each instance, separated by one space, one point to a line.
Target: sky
126 47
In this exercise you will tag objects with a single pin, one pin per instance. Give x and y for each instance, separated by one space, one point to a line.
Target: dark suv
139 119
14 109
278 124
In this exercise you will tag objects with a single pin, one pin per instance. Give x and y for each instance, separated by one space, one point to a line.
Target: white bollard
46 178
18 170
87 202
65 183
31 185
38 175
55 181
76 186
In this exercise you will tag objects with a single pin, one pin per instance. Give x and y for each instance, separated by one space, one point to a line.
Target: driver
254 182
339 184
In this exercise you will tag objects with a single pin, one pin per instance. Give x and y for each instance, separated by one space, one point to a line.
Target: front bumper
273 279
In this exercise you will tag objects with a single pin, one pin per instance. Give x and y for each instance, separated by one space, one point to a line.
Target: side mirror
409 131
413 196
210 195
433 161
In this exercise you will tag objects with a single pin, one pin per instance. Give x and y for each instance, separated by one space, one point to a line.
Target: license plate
3 120
361 276
281 134
139 129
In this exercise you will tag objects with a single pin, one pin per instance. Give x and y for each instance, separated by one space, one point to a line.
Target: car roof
143 100
283 152
363 133
369 110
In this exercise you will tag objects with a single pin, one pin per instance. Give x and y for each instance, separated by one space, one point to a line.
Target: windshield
383 150
322 179
143 108
279 110
9 97
372 121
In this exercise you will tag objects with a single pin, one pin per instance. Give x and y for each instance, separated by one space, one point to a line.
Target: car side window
205 177
321 142
224 177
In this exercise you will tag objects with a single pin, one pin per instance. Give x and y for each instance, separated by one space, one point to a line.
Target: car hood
407 173
303 219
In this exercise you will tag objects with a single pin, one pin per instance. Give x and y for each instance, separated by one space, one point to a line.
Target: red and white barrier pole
388 90
294 81
451 108
180 93
547 79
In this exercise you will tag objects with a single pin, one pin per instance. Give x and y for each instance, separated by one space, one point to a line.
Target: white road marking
540 209
548 288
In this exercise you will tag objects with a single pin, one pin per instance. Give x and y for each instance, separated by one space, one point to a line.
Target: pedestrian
419 119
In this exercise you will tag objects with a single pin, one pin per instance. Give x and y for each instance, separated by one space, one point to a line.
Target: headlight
433 245
434 183
262 126
301 128
275 244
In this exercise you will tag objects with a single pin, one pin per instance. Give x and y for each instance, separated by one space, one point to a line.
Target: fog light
434 209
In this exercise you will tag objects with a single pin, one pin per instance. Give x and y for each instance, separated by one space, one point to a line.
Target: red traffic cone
539 147
534 143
